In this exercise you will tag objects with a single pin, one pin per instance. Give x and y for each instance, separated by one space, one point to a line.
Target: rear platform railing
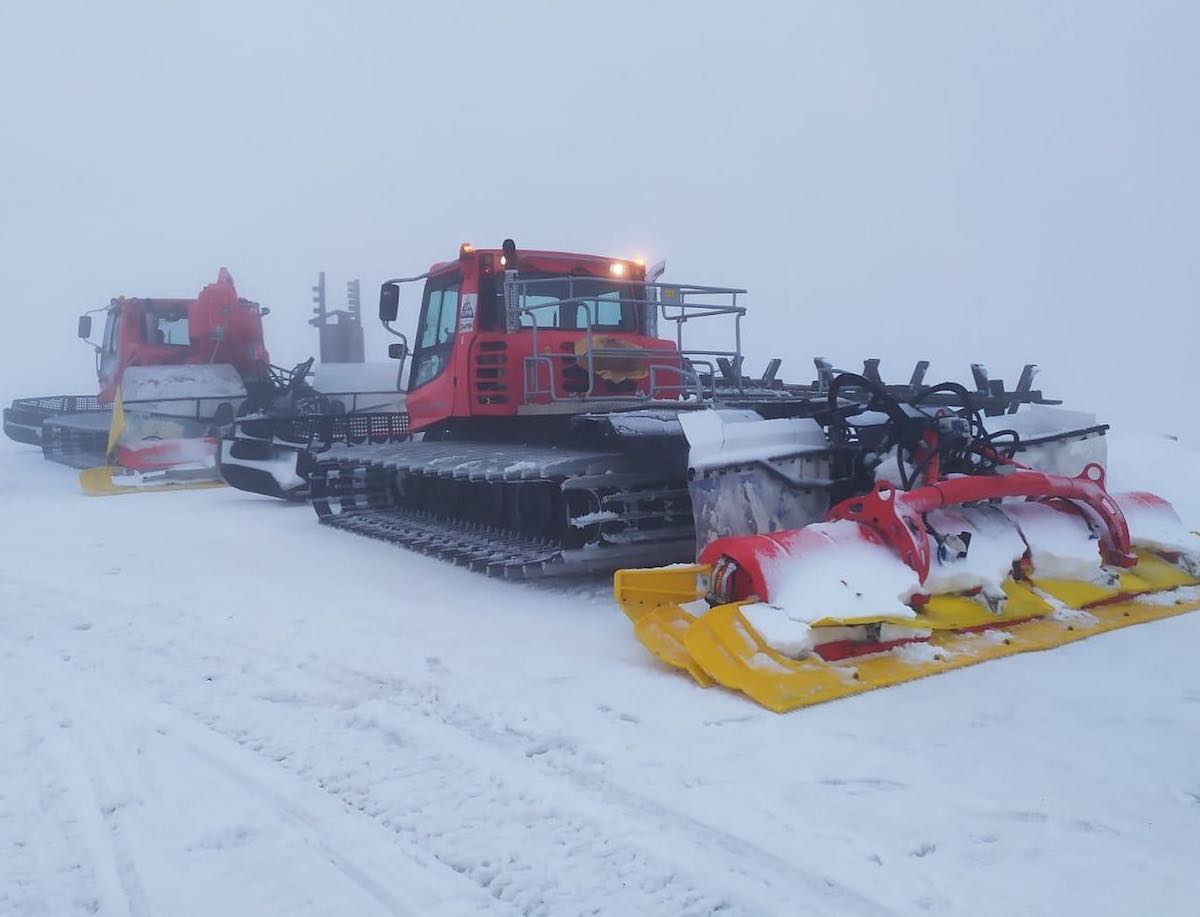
323 430
60 404
210 407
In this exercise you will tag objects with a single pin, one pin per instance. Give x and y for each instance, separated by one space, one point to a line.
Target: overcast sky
1000 182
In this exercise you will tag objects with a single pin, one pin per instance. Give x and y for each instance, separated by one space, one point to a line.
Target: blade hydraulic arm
898 516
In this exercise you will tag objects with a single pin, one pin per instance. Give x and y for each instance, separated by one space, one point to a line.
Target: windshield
593 299
596 296
166 327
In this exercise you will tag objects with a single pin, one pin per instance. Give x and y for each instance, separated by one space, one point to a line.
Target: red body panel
226 329
168 453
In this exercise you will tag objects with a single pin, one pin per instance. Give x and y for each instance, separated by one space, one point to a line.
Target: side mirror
389 302
85 326
398 351
264 311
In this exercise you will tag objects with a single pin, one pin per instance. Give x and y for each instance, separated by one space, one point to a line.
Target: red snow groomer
171 373
952 552
175 375
850 533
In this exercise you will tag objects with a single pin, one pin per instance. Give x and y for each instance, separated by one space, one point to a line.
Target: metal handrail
198 400
686 386
688 380
675 307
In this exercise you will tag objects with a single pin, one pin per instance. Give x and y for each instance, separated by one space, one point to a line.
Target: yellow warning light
465 249
617 269
639 261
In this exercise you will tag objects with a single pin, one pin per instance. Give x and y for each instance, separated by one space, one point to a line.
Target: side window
441 317
607 310
439 322
433 312
108 351
110 330
547 316
449 320
173 329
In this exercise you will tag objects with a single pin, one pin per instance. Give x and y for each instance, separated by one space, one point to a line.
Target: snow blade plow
967 556
110 480
721 646
163 430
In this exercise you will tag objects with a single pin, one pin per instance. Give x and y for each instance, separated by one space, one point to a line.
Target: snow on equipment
946 551
556 431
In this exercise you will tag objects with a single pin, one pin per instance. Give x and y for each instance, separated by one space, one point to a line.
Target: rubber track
351 490
483 549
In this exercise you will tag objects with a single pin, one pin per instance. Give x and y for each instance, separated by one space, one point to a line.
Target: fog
992 182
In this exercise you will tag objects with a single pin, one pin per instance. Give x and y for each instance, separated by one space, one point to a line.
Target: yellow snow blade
99 482
1159 575
732 653
957 612
1151 574
642 591
960 612
662 632
1077 594
651 599
724 644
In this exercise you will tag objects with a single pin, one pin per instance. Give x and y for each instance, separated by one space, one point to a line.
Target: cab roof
542 260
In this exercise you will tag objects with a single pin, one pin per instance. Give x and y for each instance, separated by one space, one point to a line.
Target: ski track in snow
99 778
109 848
33 881
216 706
539 845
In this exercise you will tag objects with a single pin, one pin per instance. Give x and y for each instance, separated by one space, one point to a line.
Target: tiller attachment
897 584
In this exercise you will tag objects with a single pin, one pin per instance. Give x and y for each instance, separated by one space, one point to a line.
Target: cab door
431 381
108 360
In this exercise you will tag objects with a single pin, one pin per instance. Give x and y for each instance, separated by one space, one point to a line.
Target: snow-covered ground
212 705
